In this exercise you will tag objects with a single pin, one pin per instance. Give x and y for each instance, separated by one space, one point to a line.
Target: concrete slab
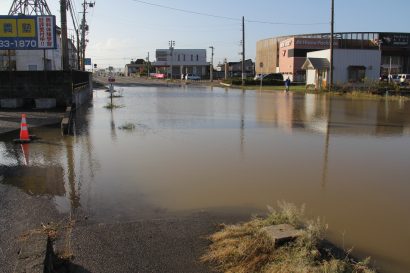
281 234
11 103
45 103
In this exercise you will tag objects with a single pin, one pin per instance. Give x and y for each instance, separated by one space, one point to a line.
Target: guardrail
79 86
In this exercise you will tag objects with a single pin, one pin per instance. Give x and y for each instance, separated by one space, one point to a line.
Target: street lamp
171 51
212 64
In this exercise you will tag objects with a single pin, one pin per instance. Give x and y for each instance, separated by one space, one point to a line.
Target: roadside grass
244 248
302 89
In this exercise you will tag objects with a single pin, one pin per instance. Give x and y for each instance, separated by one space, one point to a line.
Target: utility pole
64 39
243 50
171 51
148 65
84 29
226 68
331 45
77 32
212 64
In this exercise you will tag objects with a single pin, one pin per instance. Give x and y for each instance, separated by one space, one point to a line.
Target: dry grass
243 248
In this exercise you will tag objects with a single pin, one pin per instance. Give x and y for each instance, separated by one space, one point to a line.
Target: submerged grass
113 106
127 126
245 248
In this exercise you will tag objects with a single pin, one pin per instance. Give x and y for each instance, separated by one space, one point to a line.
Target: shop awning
316 63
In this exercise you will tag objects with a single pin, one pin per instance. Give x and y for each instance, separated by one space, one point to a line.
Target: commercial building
176 62
287 54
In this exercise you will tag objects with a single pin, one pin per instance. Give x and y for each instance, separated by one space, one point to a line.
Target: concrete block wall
30 85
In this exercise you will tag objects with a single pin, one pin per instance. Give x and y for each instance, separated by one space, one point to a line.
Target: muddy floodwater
191 149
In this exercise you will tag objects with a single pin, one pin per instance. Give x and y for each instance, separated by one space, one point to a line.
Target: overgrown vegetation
245 248
252 82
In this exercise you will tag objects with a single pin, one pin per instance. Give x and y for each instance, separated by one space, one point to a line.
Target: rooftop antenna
29 7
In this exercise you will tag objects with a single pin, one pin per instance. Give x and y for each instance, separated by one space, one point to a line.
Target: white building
349 66
38 60
182 61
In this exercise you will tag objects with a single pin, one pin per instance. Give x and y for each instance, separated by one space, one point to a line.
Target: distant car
384 78
192 77
394 78
259 76
404 79
274 76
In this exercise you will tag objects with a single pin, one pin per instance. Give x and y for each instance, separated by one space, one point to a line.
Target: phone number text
18 43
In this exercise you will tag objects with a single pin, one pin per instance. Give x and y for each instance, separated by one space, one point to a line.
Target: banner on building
28 32
395 39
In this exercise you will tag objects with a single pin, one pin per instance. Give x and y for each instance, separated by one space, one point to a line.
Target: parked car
274 76
259 76
394 78
404 78
384 78
192 77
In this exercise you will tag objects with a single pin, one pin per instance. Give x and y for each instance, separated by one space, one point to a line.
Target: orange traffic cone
24 129
24 136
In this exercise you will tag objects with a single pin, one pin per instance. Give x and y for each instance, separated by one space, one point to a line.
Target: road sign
87 61
28 32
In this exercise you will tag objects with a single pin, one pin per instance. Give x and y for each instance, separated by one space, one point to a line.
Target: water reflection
320 113
203 149
36 180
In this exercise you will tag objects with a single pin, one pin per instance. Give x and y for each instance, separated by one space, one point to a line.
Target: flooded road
203 149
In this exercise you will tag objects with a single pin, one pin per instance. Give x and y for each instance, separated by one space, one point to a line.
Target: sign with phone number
27 32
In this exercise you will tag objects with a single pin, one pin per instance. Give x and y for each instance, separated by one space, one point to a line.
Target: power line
283 23
225 17
187 11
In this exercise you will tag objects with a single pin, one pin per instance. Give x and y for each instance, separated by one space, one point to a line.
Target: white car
192 77
259 76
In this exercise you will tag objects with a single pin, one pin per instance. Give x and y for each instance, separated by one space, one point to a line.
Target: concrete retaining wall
66 87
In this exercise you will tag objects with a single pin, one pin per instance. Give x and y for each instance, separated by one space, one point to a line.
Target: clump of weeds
127 126
245 248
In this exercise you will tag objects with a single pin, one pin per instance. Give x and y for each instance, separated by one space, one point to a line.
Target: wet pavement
195 157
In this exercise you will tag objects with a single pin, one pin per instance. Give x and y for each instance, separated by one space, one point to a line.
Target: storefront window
356 73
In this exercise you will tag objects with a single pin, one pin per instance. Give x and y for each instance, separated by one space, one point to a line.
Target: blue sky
122 30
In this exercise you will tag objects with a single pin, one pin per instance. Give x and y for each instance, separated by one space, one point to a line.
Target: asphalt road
147 246
20 213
